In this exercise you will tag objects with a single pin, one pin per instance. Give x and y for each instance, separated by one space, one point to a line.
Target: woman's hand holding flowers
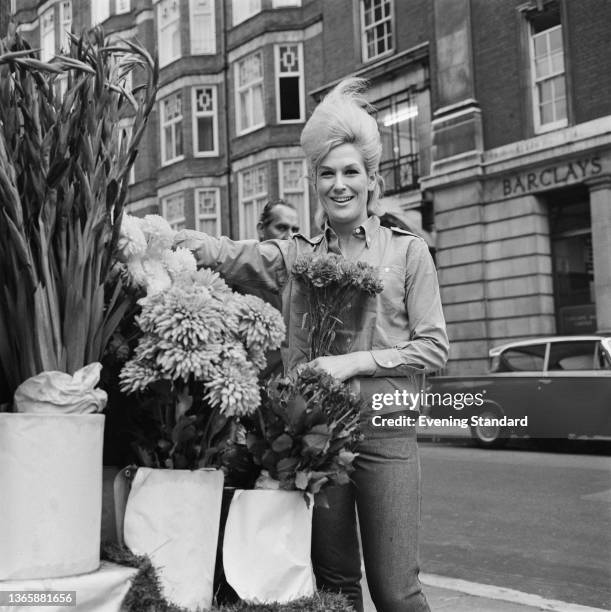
345 366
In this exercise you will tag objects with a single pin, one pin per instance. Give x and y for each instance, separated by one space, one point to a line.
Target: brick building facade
495 118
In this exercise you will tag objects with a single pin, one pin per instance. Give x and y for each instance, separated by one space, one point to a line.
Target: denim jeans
386 488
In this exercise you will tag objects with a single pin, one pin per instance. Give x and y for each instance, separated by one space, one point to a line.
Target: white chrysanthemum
137 375
234 387
179 262
159 235
136 273
260 323
132 241
157 277
212 281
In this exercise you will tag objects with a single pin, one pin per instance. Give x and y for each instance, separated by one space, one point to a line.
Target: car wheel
490 436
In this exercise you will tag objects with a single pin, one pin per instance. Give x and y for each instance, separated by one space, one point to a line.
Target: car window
577 355
522 359
601 360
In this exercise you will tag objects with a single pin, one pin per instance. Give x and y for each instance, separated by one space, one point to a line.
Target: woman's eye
326 173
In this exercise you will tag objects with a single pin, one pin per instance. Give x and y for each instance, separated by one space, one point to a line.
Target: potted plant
64 163
192 374
301 440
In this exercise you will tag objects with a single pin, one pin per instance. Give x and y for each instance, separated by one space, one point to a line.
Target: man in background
278 220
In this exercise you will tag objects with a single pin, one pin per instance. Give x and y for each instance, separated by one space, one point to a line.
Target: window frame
364 29
277 4
166 59
540 128
100 11
217 202
303 216
256 198
65 25
250 86
122 7
164 205
300 76
163 123
192 33
48 32
195 114
244 16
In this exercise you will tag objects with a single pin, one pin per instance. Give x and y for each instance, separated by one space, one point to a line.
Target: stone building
521 171
495 118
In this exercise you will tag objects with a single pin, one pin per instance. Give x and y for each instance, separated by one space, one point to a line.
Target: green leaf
282 443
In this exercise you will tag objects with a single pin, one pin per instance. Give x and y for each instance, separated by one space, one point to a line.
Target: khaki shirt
403 327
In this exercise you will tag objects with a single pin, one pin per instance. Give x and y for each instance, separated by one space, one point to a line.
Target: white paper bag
266 550
50 494
173 517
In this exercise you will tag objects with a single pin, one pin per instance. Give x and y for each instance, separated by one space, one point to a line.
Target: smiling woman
399 332
343 187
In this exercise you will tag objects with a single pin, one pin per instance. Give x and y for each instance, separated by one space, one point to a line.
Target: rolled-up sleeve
247 264
427 346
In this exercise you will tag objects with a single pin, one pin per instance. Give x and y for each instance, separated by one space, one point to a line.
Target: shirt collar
366 230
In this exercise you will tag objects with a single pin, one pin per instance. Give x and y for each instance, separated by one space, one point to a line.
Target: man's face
284 224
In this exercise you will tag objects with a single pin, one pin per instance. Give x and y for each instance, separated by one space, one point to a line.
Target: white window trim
217 201
254 12
65 25
301 81
165 61
285 3
256 196
192 34
100 11
164 205
391 50
540 128
163 124
215 126
305 222
257 126
49 11
122 6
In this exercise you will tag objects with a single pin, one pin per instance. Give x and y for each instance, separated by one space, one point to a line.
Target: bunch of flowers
145 249
199 352
306 430
332 282
64 168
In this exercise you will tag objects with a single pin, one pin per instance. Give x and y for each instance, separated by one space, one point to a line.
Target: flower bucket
51 500
173 517
266 550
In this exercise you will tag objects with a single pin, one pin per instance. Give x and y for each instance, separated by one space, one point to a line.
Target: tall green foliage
64 167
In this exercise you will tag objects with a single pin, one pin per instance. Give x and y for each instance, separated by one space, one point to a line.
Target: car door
575 390
515 379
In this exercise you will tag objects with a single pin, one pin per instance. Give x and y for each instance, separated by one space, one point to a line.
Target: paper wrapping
101 591
53 392
173 517
50 494
266 550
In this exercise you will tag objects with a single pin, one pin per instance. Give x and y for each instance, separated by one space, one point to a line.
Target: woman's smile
343 186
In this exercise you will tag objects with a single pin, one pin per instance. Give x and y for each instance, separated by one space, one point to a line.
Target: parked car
542 388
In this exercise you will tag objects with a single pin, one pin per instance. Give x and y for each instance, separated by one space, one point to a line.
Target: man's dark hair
266 214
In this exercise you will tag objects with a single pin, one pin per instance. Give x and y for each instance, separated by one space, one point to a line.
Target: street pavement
519 527
515 530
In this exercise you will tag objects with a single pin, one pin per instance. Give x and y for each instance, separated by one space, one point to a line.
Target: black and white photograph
305 305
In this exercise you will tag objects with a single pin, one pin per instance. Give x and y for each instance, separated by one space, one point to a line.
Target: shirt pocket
392 299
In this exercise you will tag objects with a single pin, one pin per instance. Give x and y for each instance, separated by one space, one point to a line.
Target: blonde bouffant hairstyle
343 118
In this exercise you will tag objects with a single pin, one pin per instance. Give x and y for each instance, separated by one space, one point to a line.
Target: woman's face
343 186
